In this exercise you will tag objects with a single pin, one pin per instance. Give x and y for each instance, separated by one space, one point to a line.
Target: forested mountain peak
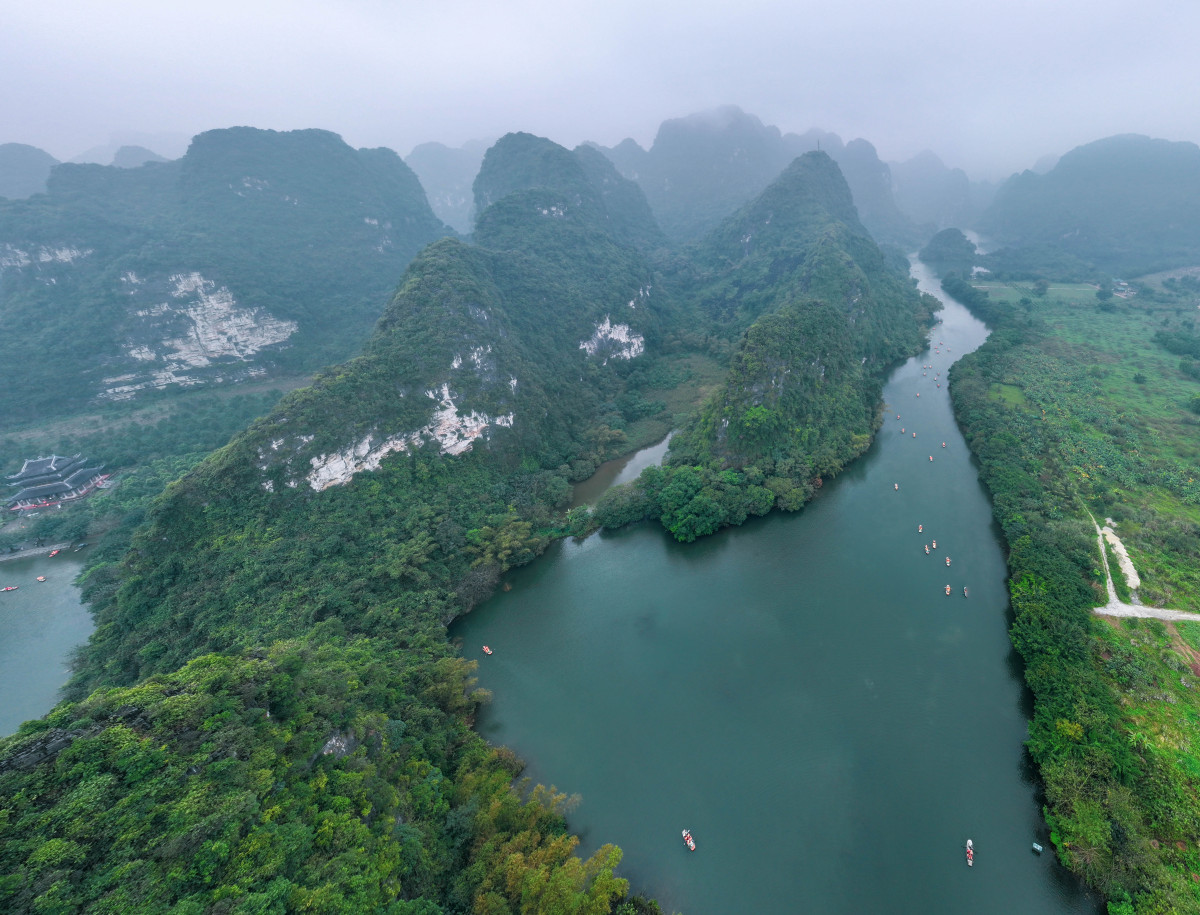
1126 204
529 188
227 264
23 170
798 270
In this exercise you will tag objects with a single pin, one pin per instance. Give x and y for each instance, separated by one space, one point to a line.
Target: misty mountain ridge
227 264
1125 205
935 196
702 167
447 175
24 170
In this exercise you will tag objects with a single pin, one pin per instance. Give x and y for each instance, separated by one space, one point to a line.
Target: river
40 624
799 691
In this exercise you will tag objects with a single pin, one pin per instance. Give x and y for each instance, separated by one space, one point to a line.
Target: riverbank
29 552
1060 426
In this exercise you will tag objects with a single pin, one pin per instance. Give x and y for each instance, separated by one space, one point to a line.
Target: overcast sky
989 87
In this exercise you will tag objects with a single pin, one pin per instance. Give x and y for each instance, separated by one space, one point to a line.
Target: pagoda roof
50 467
41 492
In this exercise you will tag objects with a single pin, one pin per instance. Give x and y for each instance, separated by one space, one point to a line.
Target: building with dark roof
46 481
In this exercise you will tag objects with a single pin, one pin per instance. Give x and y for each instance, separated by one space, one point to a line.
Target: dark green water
39 625
799 692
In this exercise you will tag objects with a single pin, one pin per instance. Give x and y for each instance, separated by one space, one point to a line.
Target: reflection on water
619 470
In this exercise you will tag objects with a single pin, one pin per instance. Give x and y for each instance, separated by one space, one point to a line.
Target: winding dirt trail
1115 607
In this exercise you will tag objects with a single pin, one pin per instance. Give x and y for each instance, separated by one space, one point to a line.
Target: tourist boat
947 560
41 578
970 853
943 444
914 435
902 429
947 590
897 485
10 588
55 552
931 457
920 528
688 840
927 549
486 650
935 544
1037 848
964 590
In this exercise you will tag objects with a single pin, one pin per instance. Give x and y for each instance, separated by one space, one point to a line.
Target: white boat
688 840
970 853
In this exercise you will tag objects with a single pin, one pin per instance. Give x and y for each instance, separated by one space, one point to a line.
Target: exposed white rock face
454 433
15 257
614 341
219 327
214 325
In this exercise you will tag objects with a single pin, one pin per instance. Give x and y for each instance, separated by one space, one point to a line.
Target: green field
1119 406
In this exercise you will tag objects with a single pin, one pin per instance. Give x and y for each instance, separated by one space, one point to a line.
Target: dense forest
224 266
269 716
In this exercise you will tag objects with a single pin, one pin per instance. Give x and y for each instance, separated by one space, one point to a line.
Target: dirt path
1114 607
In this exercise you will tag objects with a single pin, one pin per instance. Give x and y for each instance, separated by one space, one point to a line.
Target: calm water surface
799 691
39 625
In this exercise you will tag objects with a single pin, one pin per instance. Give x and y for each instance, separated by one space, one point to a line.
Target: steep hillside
227 264
1125 205
817 314
24 170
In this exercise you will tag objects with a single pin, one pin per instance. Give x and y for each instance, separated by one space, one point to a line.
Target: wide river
40 624
799 692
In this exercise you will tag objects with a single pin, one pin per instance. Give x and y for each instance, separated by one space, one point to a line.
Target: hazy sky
989 86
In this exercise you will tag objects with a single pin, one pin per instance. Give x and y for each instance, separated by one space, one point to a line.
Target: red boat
55 552
970 853
486 650
688 840
10 588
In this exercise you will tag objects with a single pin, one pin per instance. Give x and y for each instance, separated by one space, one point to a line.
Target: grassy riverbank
1075 405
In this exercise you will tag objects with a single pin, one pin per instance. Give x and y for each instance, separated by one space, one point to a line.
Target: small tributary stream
799 692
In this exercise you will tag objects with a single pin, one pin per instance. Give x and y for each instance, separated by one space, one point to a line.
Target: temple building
52 480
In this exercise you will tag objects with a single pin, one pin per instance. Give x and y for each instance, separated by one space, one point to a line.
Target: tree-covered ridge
1125 205
294 778
818 314
581 187
221 265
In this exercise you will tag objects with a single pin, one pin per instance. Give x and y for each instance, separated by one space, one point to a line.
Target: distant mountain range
1124 205
701 168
